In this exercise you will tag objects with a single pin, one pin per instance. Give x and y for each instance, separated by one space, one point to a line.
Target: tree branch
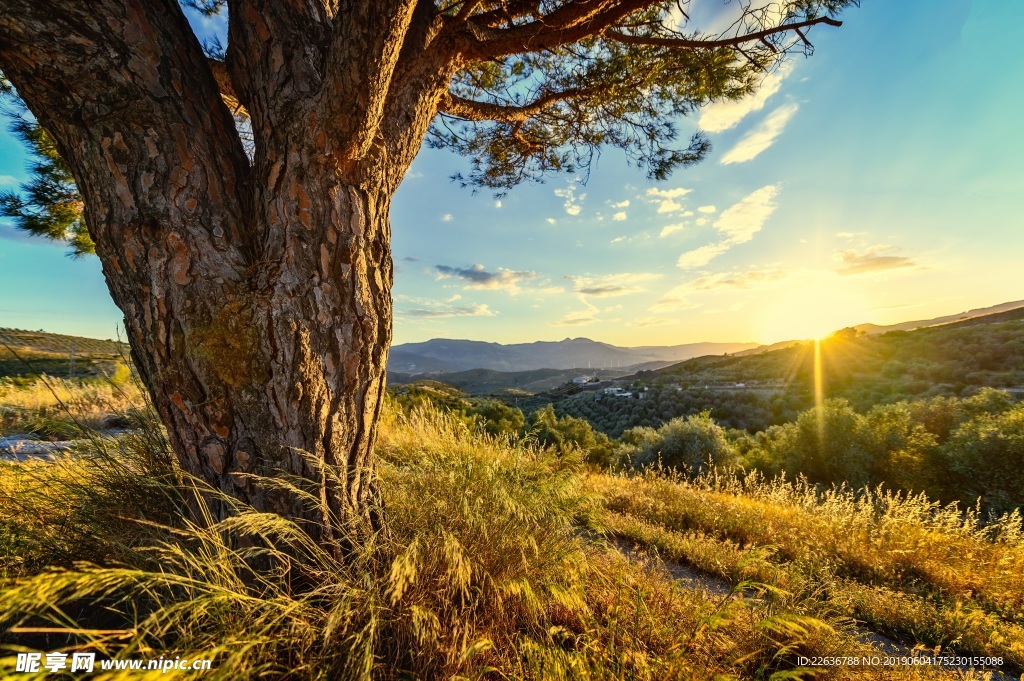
568 24
365 48
735 41
474 110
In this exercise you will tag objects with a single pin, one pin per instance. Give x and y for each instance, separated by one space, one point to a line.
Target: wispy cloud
621 215
7 180
479 278
444 311
737 224
707 209
642 322
761 137
680 297
621 204
671 229
741 221
746 279
447 217
611 284
588 315
872 259
722 115
698 257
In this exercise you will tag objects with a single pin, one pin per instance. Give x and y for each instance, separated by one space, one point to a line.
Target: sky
877 181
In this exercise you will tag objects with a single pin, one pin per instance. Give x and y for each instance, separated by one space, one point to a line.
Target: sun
813 311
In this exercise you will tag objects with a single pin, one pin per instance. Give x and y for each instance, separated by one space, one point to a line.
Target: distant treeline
954 449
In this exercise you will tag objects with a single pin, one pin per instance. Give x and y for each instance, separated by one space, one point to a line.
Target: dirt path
23 447
718 587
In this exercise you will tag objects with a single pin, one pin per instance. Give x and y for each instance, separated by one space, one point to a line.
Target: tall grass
908 567
489 565
61 409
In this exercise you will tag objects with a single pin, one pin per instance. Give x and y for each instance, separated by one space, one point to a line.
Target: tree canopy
537 87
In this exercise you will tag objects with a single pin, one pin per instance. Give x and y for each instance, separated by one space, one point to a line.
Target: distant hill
755 391
29 353
935 359
442 354
875 329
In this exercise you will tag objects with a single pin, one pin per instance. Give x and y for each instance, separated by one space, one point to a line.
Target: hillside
30 353
753 392
875 329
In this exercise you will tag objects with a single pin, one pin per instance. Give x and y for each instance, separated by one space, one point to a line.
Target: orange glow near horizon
812 312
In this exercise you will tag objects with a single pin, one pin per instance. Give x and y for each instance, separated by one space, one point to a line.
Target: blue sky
877 181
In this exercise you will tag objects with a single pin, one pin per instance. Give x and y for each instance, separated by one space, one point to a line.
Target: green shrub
690 444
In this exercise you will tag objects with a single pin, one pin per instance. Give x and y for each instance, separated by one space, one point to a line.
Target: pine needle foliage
48 205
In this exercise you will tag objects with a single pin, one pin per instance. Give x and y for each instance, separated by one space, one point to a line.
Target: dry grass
909 568
488 567
60 409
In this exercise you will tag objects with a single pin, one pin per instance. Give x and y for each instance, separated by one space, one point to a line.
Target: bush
569 433
690 444
986 457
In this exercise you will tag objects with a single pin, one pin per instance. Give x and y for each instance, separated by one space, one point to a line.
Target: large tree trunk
256 292
278 367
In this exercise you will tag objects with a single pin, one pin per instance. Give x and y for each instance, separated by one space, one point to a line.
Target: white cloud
611 285
6 180
707 209
573 203
447 217
552 221
621 215
671 229
740 222
665 198
722 115
761 137
699 257
676 193
618 240
497 204
621 204
737 224
702 221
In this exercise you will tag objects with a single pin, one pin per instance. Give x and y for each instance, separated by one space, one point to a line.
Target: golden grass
488 567
55 407
905 566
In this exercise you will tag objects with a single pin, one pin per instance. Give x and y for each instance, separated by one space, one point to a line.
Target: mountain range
443 355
